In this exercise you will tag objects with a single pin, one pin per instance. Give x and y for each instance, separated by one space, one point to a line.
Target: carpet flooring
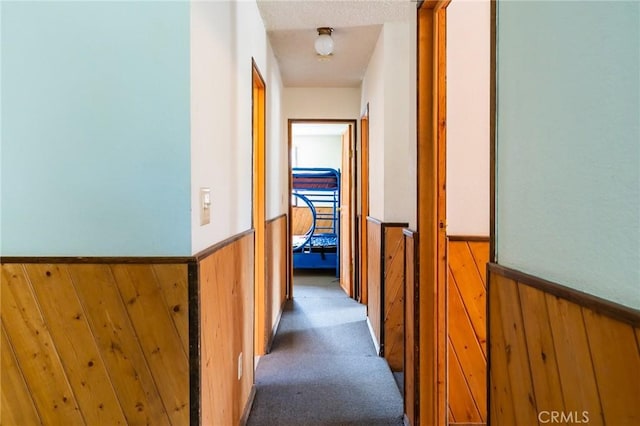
323 369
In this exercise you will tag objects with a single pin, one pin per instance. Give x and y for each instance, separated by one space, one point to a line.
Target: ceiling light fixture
324 42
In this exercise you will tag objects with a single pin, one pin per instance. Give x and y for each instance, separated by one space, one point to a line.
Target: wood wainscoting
385 260
467 259
411 327
276 281
226 274
556 351
95 343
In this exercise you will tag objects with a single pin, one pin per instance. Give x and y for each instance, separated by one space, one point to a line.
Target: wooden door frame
347 151
363 205
354 137
258 121
431 402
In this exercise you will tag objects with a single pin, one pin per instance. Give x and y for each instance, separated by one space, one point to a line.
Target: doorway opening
322 193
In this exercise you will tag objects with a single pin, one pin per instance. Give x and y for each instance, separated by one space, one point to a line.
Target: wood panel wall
411 327
302 218
276 251
385 260
374 277
553 349
95 344
393 296
467 334
226 330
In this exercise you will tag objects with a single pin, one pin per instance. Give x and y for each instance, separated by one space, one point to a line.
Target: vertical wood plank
394 298
464 271
616 364
411 335
270 283
462 406
518 357
542 356
575 367
174 285
216 340
227 319
157 336
426 215
276 266
18 407
374 304
502 402
440 99
468 350
480 252
347 194
35 350
364 205
118 343
245 308
76 346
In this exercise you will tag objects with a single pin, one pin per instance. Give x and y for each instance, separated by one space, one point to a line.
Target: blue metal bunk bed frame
318 248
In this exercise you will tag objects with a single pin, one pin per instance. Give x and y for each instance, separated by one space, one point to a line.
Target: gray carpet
323 369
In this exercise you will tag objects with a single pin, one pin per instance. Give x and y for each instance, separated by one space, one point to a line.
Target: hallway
323 368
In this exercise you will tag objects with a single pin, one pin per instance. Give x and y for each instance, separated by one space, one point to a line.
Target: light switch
205 206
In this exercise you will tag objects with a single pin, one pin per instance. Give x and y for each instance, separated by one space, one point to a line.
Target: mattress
315 181
317 241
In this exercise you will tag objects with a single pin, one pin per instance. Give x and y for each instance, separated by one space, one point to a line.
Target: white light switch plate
205 206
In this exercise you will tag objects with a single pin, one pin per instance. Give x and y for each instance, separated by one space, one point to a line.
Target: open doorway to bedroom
322 193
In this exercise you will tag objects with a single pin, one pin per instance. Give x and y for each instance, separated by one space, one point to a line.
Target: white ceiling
291 27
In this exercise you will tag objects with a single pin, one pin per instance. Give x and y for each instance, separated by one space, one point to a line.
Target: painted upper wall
317 151
568 157
277 148
389 88
373 101
95 129
468 71
225 37
318 102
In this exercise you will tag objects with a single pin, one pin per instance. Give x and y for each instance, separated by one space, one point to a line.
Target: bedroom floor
323 369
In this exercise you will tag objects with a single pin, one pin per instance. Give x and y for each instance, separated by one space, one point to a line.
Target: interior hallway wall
568 158
95 129
225 37
389 87
341 103
468 147
317 151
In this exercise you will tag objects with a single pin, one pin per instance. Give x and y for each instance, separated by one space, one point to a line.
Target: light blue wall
95 135
568 156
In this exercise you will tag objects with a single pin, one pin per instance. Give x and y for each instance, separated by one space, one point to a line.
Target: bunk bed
318 189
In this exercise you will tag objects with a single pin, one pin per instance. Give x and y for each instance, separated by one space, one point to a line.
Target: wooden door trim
258 118
364 203
493 255
432 211
346 227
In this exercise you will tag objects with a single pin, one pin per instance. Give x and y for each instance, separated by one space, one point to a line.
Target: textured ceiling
291 27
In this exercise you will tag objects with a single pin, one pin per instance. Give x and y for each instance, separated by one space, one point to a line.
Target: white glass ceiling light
324 42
